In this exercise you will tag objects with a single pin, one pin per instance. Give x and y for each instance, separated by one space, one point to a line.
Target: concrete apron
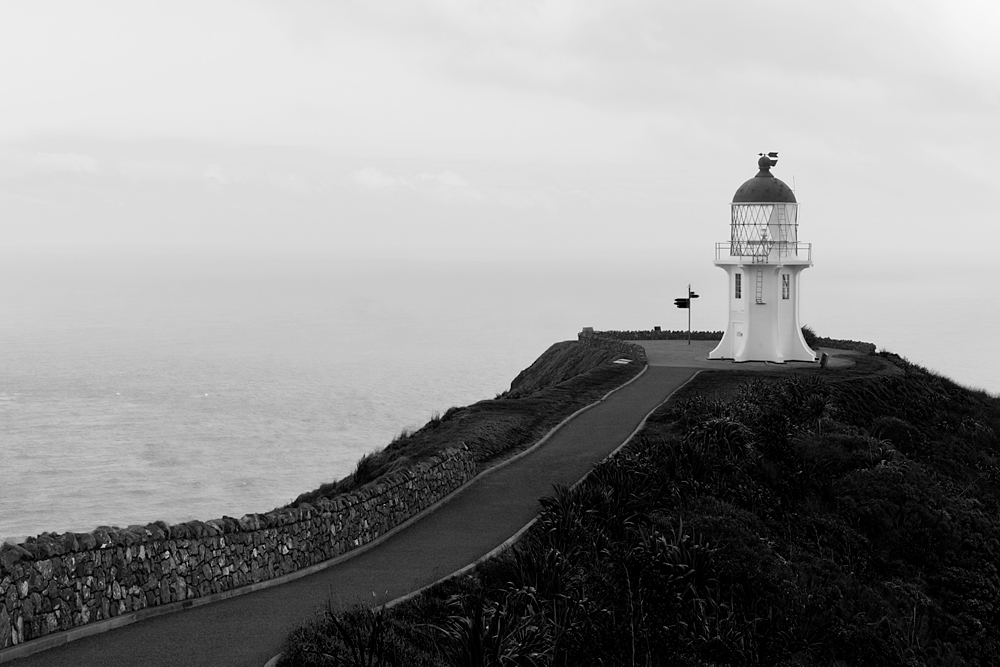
678 353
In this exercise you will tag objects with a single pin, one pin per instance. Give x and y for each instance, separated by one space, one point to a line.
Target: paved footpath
248 630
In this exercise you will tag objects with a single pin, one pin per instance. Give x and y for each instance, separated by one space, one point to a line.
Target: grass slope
562 361
563 379
847 518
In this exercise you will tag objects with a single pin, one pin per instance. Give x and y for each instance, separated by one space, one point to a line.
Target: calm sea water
143 387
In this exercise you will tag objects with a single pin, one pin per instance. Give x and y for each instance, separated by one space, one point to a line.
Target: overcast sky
467 128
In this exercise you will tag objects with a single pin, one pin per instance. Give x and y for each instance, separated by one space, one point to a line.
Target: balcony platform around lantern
757 252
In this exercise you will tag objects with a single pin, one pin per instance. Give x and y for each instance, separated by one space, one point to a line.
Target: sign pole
686 303
689 313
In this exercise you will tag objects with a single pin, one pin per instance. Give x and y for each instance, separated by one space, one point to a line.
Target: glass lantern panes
759 229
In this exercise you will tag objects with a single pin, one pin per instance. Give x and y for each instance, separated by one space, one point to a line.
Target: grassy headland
565 378
844 518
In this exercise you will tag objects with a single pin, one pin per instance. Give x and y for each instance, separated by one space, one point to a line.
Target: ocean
137 387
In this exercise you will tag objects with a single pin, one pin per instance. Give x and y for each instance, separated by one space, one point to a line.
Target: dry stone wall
656 334
58 582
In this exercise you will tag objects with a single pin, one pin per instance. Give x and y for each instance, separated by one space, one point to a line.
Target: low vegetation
837 518
564 379
561 362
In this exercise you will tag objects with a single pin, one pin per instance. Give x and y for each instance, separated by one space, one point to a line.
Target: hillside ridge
844 517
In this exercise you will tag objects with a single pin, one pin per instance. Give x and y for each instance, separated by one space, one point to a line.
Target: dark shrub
809 335
904 436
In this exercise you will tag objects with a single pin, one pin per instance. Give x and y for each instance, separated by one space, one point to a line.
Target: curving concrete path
248 630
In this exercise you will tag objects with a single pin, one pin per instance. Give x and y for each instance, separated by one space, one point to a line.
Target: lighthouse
763 260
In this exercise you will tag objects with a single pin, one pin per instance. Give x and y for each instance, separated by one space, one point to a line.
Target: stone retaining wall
596 339
660 335
58 582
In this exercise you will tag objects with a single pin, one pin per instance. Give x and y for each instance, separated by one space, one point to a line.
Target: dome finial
767 161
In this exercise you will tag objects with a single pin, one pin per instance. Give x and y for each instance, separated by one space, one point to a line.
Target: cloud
375 179
214 177
289 182
448 187
444 186
448 179
451 79
17 198
520 198
60 162
157 170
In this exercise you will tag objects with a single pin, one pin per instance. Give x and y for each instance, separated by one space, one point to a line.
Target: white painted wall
768 331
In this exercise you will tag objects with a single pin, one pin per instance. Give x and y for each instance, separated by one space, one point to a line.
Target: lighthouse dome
764 187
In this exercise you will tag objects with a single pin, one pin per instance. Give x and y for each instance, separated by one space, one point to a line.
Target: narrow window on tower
739 286
785 285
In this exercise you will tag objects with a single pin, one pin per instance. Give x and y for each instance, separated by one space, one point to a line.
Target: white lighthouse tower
762 260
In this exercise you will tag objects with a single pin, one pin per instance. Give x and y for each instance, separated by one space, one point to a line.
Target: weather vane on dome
767 161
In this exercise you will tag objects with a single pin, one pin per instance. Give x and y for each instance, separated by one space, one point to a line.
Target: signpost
686 303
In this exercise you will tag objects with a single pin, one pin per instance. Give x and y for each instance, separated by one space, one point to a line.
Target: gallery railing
764 252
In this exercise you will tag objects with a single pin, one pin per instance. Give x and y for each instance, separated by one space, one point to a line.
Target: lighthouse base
763 319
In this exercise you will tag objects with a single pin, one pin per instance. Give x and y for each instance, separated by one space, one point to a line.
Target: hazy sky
458 128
